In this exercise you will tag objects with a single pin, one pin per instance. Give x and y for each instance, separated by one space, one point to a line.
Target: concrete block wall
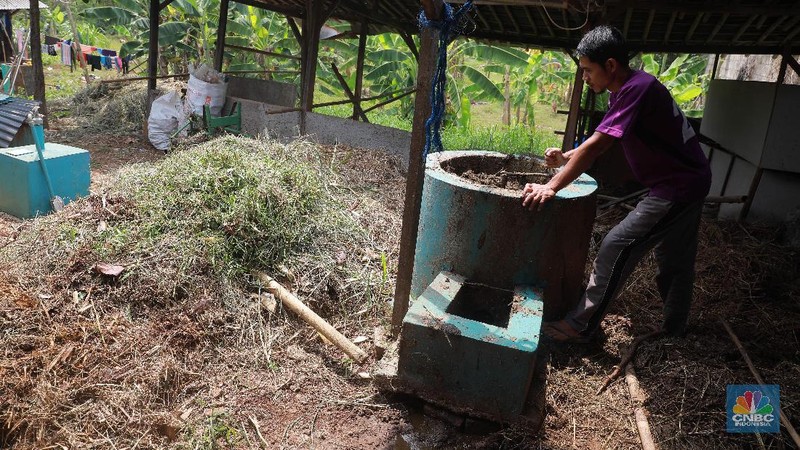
322 129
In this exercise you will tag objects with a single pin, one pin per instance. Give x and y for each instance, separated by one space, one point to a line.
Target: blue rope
451 25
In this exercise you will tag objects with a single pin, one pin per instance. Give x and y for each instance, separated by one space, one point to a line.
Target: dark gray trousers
669 227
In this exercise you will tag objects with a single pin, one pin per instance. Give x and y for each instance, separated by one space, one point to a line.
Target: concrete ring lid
487 171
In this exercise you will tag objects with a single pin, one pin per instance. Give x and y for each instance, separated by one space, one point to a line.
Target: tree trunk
77 40
36 60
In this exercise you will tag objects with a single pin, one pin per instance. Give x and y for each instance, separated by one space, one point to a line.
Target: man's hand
553 157
535 195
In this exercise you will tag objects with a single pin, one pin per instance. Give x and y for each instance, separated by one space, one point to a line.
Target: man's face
595 75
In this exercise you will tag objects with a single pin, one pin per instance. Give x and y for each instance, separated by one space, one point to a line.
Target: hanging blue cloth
451 25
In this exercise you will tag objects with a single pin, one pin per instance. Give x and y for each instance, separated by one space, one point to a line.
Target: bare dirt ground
78 366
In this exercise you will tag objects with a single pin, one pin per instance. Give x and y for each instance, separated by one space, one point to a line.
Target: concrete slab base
471 349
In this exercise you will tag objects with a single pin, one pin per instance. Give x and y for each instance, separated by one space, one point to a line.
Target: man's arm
578 161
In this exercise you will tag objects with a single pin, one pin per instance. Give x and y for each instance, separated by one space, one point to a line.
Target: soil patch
506 172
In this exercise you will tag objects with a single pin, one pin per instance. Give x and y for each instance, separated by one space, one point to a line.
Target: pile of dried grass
112 107
89 357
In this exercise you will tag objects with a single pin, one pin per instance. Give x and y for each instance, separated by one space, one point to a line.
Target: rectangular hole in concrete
483 304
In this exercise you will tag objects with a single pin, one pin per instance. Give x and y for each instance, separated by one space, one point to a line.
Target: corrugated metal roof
13 112
13 5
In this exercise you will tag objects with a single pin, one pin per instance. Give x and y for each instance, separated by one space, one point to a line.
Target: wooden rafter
566 22
628 15
298 12
264 52
669 26
482 19
411 45
497 19
693 27
717 27
546 21
295 29
715 7
530 20
648 24
512 20
743 28
769 31
790 36
761 21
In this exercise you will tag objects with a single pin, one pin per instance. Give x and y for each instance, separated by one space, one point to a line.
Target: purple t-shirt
659 144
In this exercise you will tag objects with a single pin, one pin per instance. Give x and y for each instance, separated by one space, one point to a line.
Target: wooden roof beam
546 20
627 23
511 18
743 29
717 27
693 27
299 13
714 7
790 36
530 20
769 31
669 26
648 24
497 18
480 17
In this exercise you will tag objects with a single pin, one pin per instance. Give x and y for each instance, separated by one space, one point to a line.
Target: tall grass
518 139
515 139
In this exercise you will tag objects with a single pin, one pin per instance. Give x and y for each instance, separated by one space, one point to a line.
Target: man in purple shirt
665 156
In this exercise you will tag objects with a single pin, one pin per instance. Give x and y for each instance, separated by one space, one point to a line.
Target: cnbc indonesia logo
753 409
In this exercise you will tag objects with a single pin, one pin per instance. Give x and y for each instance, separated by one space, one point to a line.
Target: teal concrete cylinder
483 233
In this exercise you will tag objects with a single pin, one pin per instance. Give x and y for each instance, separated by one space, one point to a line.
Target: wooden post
77 40
751 193
714 69
222 28
36 59
311 31
416 166
574 111
152 57
362 46
356 103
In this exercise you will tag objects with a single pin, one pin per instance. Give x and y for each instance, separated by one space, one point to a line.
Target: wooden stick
639 411
726 199
125 80
627 359
254 421
623 199
784 420
312 318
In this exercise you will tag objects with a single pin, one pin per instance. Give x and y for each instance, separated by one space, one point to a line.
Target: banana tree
133 14
265 30
685 78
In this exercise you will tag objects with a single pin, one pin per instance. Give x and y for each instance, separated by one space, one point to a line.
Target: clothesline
103 59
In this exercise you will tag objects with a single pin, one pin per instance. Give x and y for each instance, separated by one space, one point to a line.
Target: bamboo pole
311 317
639 411
784 420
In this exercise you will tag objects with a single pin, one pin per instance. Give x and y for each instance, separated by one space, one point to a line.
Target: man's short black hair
602 43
